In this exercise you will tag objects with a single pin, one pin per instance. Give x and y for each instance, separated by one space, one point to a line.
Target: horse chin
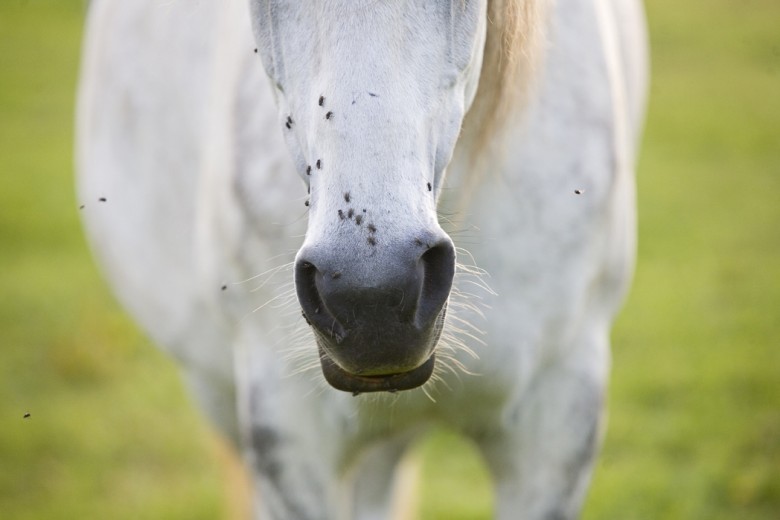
340 379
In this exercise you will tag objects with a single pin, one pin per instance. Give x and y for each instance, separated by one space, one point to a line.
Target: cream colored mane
514 38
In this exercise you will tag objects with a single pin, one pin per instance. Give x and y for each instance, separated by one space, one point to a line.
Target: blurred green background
694 430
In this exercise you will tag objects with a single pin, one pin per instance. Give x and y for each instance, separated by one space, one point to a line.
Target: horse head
371 97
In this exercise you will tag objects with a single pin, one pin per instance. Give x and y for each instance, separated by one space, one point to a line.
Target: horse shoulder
141 112
554 219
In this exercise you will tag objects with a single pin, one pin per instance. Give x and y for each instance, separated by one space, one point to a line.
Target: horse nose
378 313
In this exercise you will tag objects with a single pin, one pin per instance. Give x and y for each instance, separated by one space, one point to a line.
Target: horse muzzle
376 316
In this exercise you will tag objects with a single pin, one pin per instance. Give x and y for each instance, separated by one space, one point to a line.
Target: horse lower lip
340 379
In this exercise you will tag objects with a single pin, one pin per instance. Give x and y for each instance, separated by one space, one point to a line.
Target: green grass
694 427
695 398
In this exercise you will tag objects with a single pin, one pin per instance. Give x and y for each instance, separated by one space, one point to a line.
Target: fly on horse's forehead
473 97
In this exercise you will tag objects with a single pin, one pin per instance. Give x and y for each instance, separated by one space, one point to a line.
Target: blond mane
512 48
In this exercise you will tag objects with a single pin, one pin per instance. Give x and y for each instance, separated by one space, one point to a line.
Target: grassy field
695 397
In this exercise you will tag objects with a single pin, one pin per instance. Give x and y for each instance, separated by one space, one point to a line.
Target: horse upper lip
340 379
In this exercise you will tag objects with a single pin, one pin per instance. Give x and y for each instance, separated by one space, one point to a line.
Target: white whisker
270 272
467 324
286 295
482 285
424 388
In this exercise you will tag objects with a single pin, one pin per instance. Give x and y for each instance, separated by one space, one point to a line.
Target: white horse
516 120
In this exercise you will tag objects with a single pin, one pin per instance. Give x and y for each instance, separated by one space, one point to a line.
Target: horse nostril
438 264
309 285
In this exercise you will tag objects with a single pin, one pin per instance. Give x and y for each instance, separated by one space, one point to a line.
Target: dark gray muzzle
377 310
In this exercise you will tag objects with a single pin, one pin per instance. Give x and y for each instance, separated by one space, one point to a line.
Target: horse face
371 97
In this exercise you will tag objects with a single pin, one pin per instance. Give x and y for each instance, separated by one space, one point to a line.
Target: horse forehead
351 9
347 23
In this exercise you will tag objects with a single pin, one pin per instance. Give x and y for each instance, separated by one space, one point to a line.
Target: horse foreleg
288 443
382 485
293 472
542 460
